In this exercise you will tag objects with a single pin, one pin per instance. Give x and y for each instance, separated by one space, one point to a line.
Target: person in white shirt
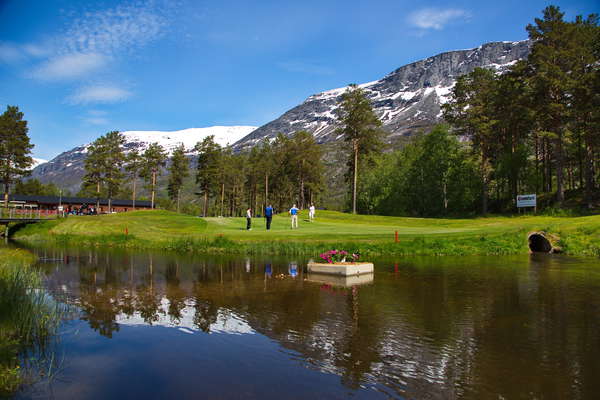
248 219
311 213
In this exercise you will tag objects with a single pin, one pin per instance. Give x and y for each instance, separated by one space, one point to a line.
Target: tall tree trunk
589 174
6 188
133 194
153 185
222 196
97 196
355 177
109 203
205 203
484 186
537 162
178 195
266 190
302 194
560 191
255 199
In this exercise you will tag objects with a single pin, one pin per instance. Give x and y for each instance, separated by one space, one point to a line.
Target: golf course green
368 234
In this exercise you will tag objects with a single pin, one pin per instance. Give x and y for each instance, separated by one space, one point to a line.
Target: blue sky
78 69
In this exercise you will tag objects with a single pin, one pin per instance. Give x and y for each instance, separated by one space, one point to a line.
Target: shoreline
368 235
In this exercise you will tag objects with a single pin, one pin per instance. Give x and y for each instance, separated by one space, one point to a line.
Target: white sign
60 208
526 200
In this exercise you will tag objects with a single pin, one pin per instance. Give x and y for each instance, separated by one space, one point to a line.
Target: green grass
27 317
367 234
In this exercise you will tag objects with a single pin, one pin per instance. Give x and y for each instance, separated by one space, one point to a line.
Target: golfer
248 219
294 214
269 216
311 213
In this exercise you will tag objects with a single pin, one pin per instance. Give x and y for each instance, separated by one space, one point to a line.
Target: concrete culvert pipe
541 242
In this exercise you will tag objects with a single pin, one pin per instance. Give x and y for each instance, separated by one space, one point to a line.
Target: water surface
159 326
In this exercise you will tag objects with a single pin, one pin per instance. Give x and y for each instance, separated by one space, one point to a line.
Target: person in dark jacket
269 216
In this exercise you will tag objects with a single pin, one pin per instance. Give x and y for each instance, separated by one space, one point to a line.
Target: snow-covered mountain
38 161
406 100
224 135
67 168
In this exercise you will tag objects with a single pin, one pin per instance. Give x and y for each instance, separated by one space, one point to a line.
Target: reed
28 316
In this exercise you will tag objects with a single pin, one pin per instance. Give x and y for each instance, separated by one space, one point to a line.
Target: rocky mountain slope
67 169
405 100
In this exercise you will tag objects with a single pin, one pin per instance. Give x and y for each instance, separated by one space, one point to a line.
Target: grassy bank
371 235
27 318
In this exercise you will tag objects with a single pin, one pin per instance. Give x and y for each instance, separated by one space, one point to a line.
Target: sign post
527 200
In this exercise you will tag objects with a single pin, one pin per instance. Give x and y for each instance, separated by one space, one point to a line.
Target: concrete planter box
343 269
340 280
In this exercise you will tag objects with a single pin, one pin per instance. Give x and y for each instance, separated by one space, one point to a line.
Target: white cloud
86 45
111 31
435 18
70 66
99 94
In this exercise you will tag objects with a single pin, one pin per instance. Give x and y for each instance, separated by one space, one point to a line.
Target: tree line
531 129
281 171
535 127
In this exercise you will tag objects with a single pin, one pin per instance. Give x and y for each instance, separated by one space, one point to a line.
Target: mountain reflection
467 328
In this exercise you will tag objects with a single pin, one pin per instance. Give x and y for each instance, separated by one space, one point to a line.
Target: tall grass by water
28 317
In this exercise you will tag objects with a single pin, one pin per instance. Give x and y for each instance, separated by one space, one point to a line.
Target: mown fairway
329 226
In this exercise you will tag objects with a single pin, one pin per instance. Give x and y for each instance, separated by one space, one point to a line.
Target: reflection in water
422 328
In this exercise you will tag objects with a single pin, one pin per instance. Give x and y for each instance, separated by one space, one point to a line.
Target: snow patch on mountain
38 161
224 135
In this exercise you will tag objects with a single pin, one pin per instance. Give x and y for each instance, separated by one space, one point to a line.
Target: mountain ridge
406 100
67 169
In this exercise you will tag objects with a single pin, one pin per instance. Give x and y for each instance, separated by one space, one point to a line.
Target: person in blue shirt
269 216
293 269
294 214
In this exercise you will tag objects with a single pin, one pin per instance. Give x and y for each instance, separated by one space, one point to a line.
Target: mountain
406 100
67 169
38 161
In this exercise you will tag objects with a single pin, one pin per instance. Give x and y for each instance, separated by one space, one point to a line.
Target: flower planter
343 269
340 280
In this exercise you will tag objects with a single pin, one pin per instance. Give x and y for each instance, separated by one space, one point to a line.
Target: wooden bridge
13 216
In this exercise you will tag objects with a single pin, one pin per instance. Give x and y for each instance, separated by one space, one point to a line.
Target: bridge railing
26 213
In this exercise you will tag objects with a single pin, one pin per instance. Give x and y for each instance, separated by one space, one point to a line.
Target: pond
158 326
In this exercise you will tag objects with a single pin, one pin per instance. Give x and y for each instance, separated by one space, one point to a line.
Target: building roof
76 200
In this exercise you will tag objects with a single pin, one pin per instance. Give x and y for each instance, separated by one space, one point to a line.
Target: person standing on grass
269 216
248 219
311 213
294 214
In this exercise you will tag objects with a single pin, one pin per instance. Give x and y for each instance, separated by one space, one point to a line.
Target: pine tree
586 97
470 111
94 167
178 171
361 128
114 157
306 157
15 148
207 172
133 168
153 159
551 63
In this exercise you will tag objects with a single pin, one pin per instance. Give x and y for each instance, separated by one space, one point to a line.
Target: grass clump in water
28 317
